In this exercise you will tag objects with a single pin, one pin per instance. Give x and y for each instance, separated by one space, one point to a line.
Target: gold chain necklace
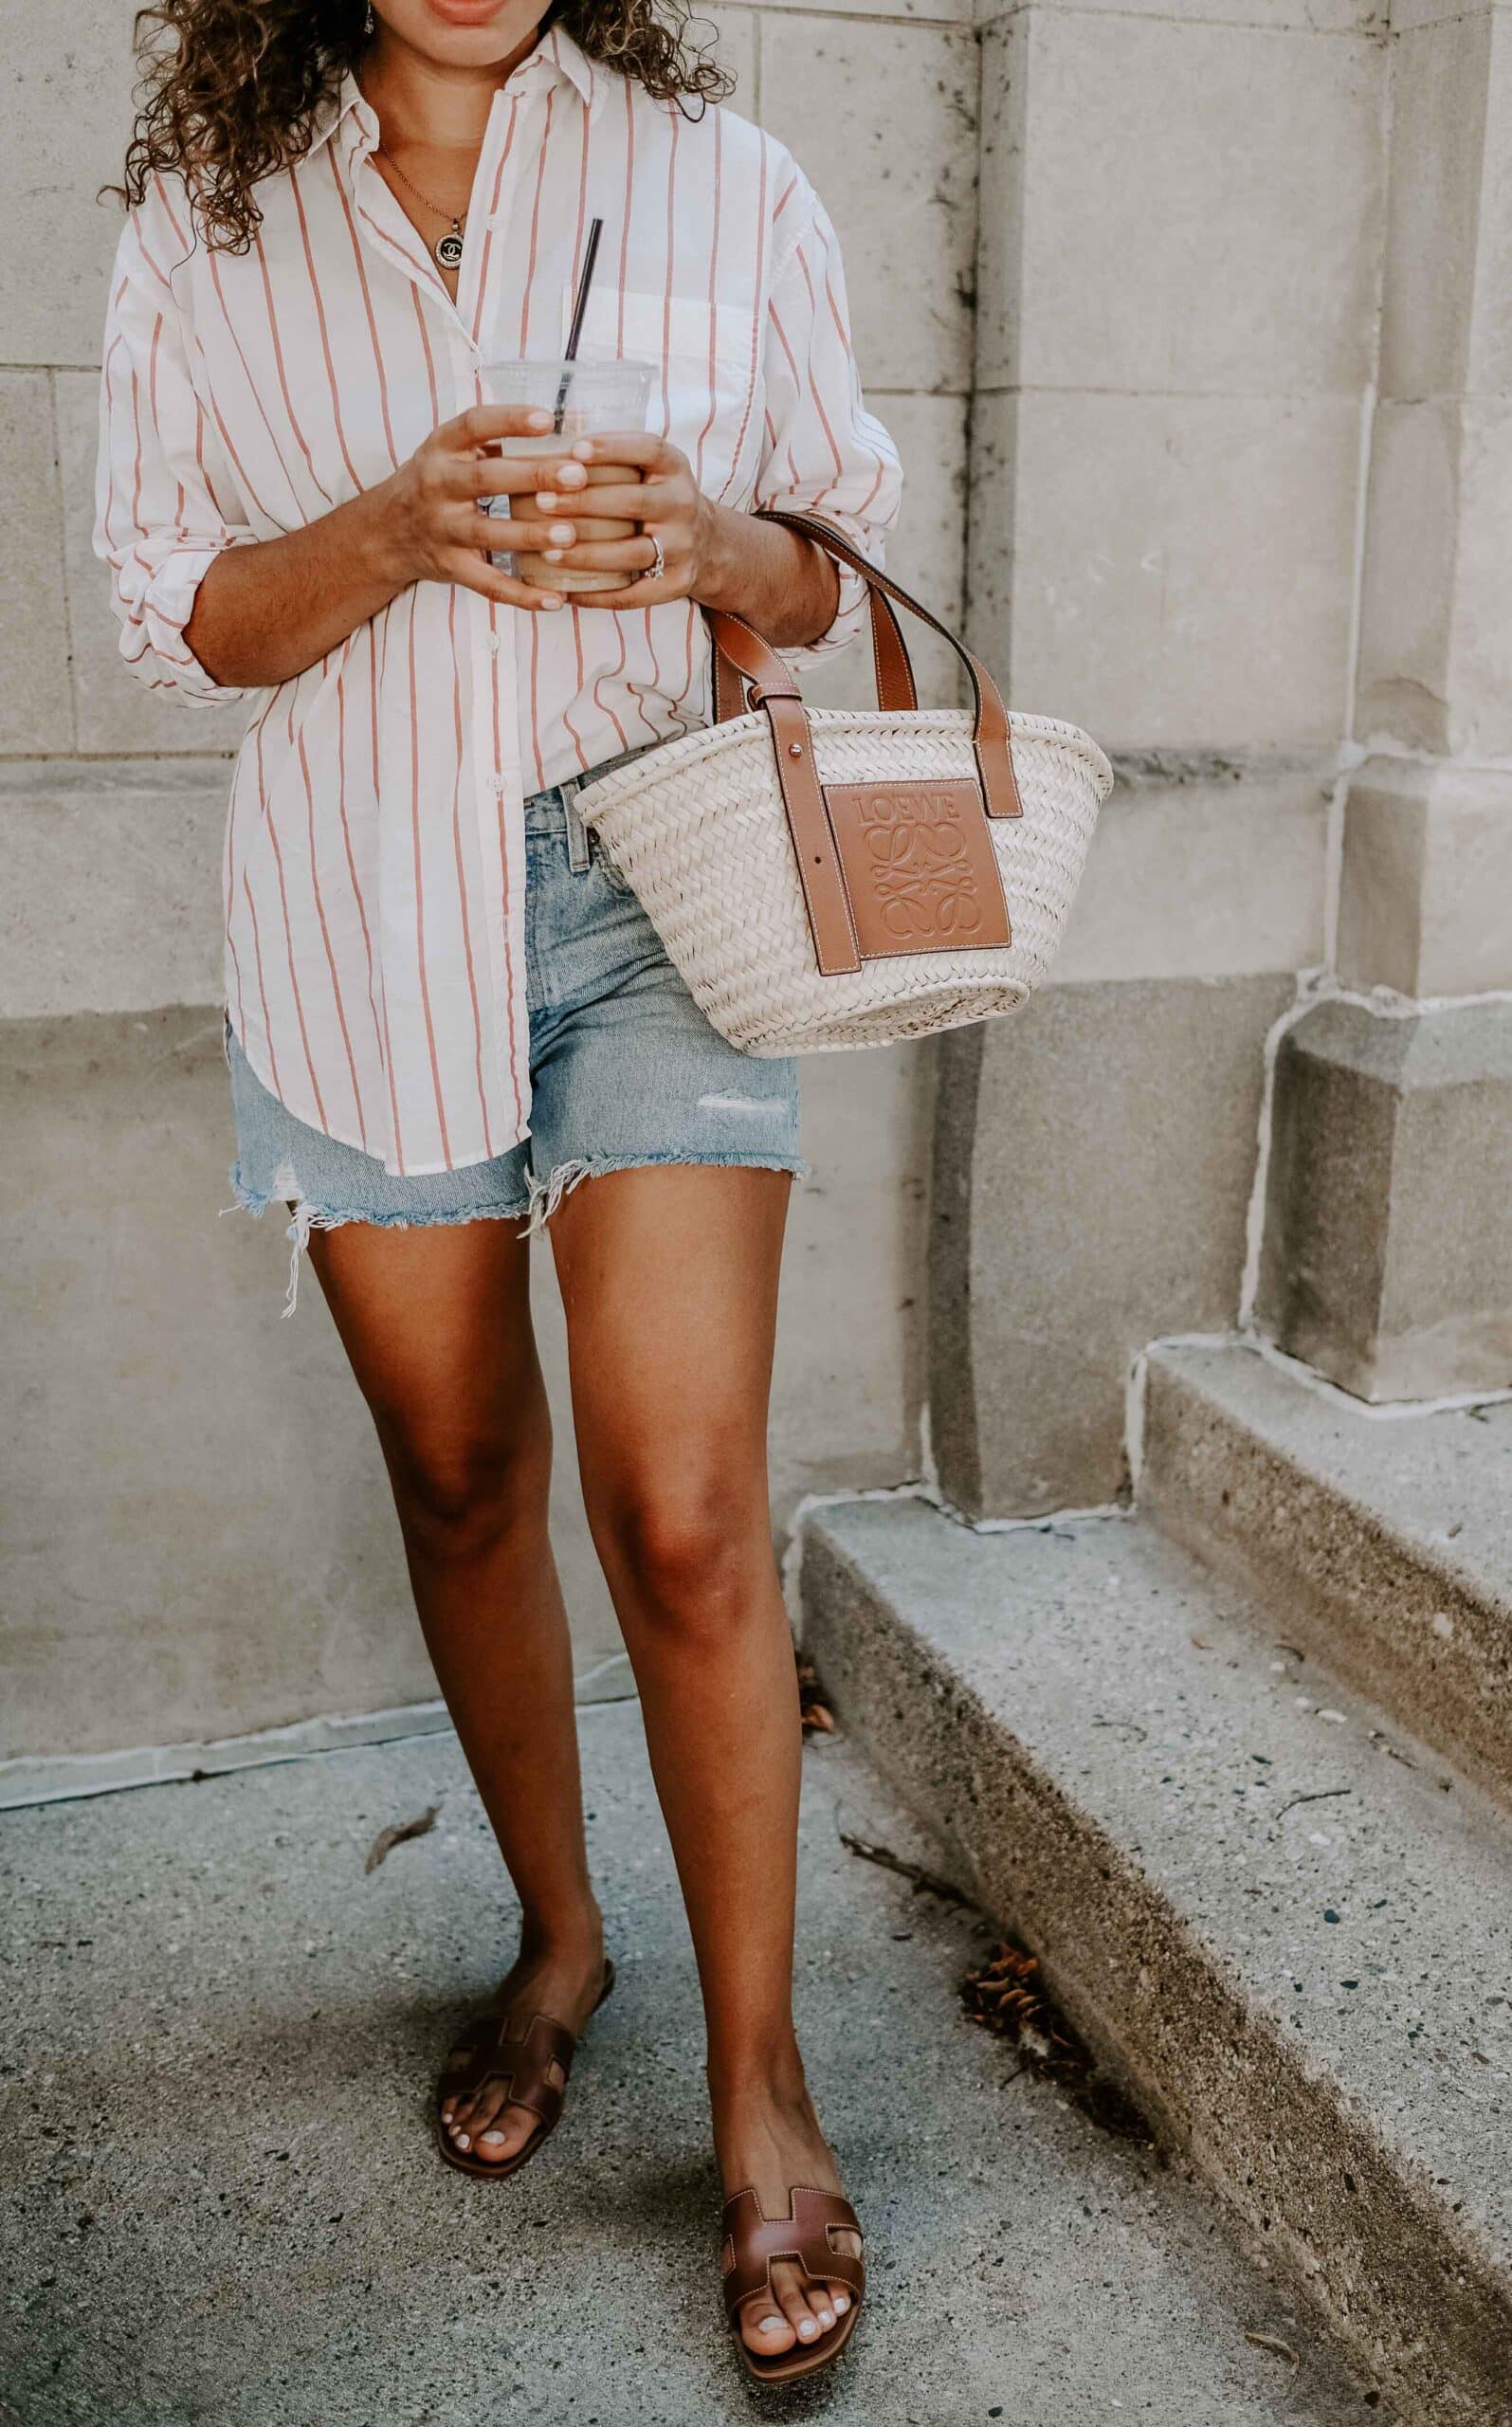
448 249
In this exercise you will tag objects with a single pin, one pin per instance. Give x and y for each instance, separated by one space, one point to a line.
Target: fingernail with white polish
562 534
551 555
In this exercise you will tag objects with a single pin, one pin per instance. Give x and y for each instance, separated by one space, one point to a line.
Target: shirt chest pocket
703 358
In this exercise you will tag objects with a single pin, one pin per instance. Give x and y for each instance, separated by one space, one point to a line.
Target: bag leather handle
776 690
991 740
889 657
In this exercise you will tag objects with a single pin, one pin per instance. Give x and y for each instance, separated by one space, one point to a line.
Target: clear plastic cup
592 396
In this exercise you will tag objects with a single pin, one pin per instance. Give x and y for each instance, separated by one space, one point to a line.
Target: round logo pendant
448 252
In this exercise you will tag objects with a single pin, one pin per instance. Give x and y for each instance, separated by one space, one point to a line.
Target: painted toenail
841 2304
807 2327
827 2317
461 2140
770 2325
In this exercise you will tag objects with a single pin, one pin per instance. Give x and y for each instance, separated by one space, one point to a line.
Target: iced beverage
588 397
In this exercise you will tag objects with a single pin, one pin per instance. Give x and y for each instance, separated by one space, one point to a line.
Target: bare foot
564 1984
770 2141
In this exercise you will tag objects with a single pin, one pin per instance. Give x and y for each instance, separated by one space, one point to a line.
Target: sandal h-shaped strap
522 2065
753 2242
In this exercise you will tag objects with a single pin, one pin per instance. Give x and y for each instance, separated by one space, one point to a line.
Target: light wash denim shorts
625 1071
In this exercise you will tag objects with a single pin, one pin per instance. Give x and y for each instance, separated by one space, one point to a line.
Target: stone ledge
1114 1755
30 1778
1384 1546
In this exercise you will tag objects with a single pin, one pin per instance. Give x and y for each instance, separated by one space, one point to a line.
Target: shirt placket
385 231
495 775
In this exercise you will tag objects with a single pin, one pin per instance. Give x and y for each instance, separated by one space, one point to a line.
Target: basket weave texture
699 831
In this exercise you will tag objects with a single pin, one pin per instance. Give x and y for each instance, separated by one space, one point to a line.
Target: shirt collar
556 57
558 51
347 122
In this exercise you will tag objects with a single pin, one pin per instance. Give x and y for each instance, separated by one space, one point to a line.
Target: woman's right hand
265 612
430 521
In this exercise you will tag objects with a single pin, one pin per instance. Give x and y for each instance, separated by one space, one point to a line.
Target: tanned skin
669 1275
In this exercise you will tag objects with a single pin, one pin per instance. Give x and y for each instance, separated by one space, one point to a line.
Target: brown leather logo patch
920 866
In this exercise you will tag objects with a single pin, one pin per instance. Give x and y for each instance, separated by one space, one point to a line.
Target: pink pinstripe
350 859
462 875
325 941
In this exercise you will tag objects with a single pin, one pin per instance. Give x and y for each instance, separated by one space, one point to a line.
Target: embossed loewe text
920 868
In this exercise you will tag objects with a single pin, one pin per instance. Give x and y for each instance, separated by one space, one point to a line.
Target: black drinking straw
580 307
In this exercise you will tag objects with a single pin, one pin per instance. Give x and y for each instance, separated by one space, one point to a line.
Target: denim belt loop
578 855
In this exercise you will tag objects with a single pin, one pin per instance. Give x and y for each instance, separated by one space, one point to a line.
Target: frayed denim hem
308 1217
546 1194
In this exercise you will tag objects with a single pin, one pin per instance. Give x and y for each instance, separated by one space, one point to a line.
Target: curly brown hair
232 89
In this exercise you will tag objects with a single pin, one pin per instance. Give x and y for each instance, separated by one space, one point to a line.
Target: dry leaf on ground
397 1832
1005 1995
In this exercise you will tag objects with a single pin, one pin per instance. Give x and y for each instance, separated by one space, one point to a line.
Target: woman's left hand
666 503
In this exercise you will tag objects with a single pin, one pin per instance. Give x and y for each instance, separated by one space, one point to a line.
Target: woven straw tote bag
839 878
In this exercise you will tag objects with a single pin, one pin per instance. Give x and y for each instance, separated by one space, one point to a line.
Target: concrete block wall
196 1520
1182 223
1119 276
1436 615
1389 1246
1427 870
1180 248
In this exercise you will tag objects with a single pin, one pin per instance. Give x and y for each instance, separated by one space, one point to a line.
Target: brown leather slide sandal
753 2241
522 2066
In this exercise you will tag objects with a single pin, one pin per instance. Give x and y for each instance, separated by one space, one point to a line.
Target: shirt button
499 784
494 644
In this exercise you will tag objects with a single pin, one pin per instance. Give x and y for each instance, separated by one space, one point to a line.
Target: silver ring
657 567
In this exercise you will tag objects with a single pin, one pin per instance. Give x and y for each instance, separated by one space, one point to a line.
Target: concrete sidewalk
223 2207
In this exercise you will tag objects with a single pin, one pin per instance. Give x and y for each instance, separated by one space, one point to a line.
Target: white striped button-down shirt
374 856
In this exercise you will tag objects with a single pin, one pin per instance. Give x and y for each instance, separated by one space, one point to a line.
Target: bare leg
436 1322
669 1279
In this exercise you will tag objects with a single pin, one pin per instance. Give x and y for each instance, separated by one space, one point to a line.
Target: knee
460 1495
690 1559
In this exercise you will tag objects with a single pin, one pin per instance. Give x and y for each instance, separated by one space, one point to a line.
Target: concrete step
1294 1947
221 2204
1382 1545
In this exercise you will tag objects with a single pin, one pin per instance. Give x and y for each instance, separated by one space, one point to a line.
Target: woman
444 1011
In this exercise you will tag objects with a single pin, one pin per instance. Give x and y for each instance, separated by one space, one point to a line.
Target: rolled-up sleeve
166 504
825 452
